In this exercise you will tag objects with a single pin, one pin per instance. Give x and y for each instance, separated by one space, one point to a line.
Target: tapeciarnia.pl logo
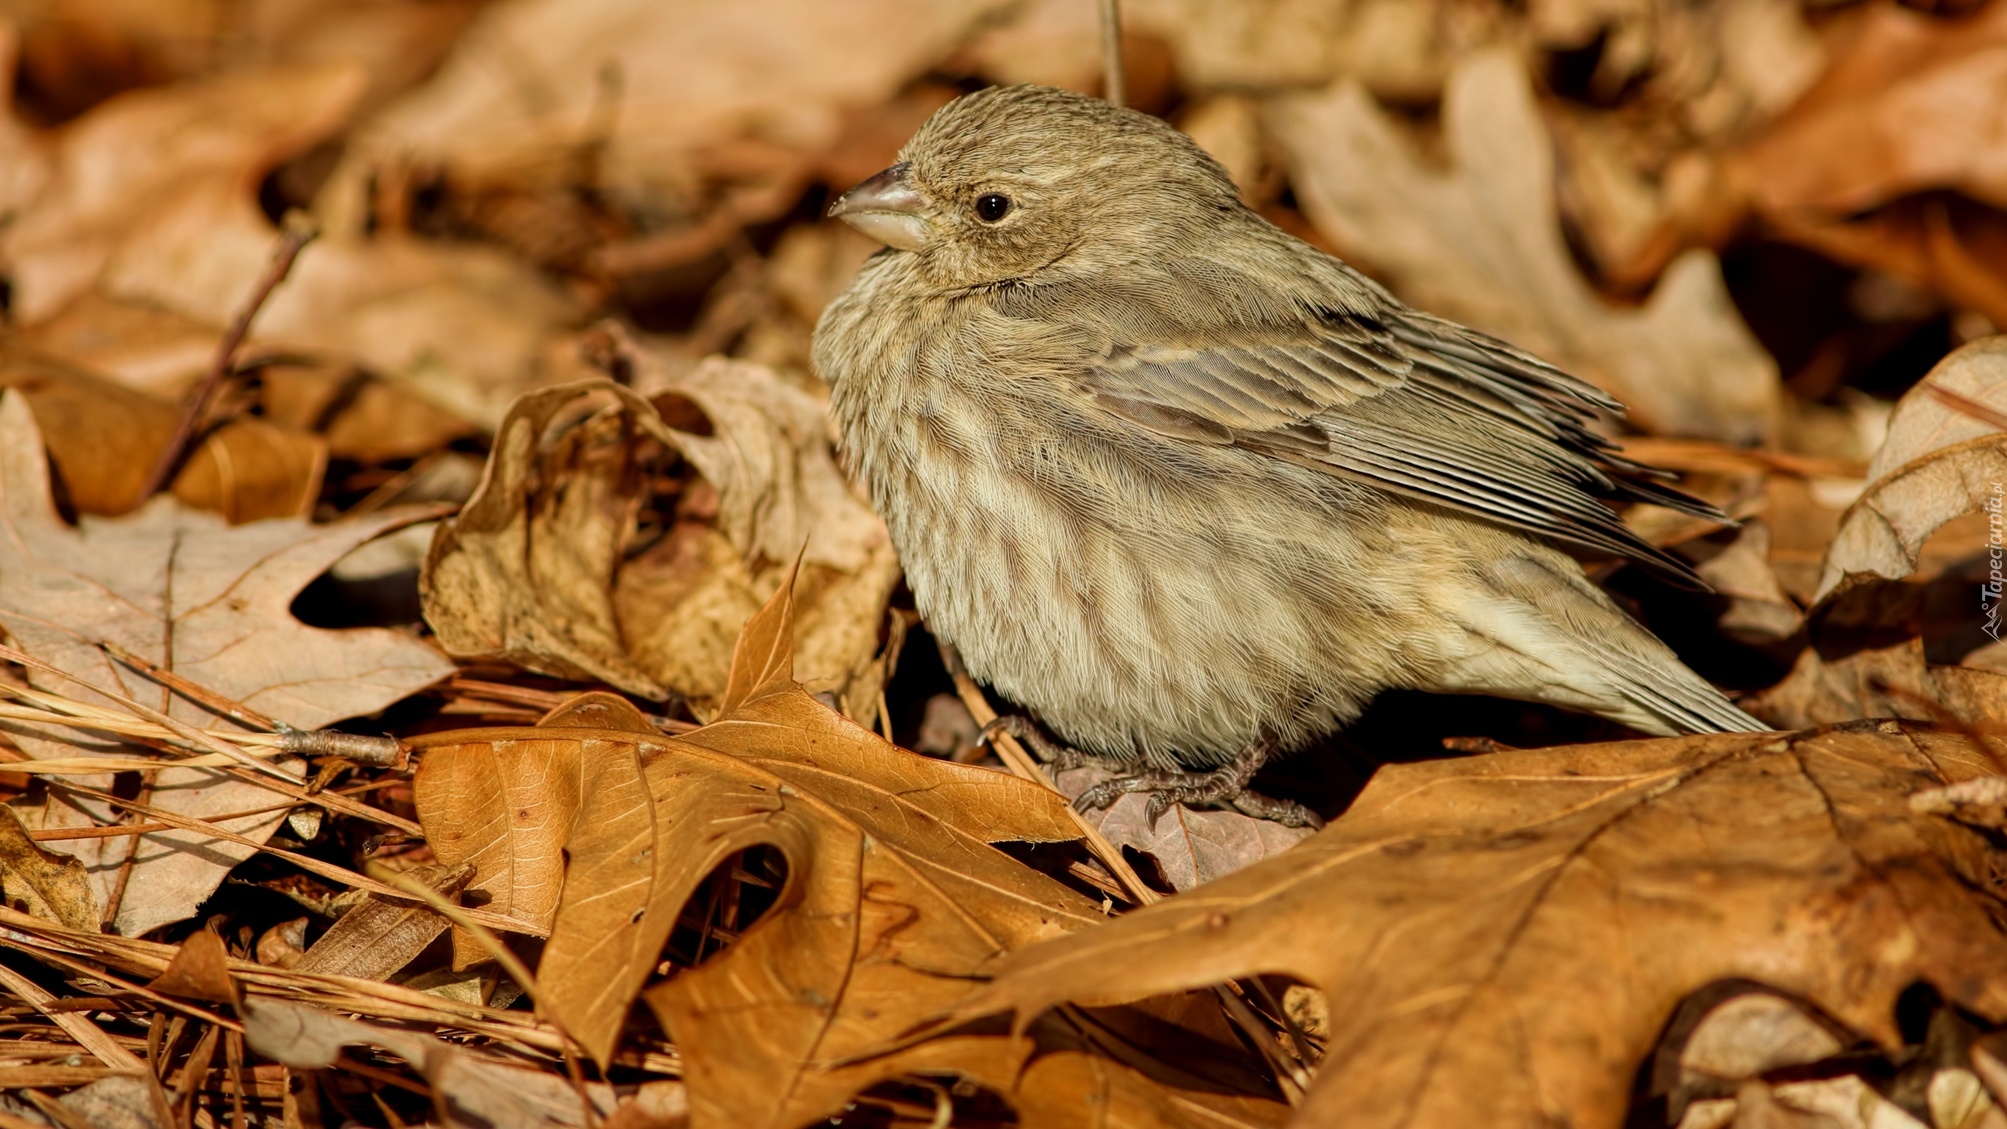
1989 592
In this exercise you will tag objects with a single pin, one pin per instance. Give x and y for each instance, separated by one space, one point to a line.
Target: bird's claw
1224 787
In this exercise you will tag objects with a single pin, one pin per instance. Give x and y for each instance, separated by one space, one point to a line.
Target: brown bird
1194 491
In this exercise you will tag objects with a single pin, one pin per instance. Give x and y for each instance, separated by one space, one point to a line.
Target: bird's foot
1058 757
1224 787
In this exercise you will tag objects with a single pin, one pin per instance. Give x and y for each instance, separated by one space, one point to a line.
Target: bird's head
1014 182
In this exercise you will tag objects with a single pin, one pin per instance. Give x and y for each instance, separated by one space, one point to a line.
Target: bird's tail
1550 635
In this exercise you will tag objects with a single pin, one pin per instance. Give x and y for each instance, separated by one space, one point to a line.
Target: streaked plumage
1179 482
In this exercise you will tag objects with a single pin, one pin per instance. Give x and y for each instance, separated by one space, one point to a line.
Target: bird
1193 491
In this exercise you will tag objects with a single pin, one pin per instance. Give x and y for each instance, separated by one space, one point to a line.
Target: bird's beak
887 208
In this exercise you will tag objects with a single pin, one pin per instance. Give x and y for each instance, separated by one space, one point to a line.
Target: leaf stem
296 231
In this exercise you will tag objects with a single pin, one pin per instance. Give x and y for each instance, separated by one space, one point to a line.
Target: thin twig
1114 84
201 695
180 729
115 900
295 232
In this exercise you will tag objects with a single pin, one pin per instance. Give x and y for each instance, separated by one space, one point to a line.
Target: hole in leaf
730 900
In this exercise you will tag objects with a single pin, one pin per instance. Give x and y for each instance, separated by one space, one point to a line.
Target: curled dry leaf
1892 681
1482 243
209 601
1532 918
1937 463
1190 847
43 883
892 899
541 567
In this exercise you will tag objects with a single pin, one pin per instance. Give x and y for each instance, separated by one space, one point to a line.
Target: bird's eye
991 207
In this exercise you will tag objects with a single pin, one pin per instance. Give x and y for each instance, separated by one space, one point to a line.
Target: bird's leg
1059 757
1224 787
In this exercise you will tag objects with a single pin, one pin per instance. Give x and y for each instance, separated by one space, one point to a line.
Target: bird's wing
1408 403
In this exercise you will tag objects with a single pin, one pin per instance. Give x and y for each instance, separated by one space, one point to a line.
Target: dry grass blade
181 730
79 1027
515 967
305 862
51 942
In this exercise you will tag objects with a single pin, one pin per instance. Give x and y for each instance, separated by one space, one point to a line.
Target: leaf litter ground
218 910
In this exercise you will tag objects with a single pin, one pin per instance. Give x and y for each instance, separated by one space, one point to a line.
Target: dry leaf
208 601
43 883
153 162
701 117
154 201
378 936
1892 681
24 164
84 50
472 1087
1190 847
1754 1033
363 419
1910 102
1940 241
1068 1073
1901 124
1958 1100
1759 610
283 944
200 970
137 344
892 899
1845 1102
539 568
1482 243
1937 464
1400 49
1532 918
104 438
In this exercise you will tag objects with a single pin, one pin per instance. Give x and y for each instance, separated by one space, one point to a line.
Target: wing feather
1411 404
